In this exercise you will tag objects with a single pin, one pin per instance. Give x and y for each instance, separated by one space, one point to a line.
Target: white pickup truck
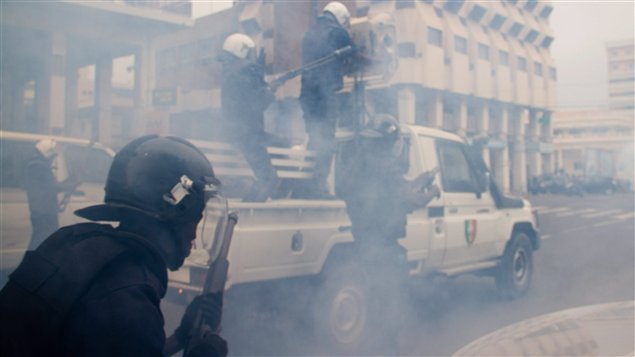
295 256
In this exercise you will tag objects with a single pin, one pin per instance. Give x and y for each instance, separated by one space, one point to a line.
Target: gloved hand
205 343
434 191
209 306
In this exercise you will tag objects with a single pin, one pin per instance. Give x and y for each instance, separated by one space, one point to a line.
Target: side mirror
482 183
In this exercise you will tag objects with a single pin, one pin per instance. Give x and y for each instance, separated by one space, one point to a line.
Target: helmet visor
210 231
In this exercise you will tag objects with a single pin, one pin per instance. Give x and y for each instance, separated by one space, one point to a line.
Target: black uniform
41 188
245 96
88 290
318 92
378 203
378 200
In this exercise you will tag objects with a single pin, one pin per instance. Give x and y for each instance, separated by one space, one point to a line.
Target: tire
341 310
515 271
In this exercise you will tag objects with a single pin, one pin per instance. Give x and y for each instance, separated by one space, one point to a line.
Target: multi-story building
57 66
621 59
594 143
472 67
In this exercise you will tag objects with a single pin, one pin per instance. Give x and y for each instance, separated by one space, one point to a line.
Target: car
85 161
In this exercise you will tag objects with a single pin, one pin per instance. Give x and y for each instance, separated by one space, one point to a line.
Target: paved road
587 257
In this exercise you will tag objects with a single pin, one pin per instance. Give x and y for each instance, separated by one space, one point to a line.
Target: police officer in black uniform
93 289
319 86
244 97
378 200
42 188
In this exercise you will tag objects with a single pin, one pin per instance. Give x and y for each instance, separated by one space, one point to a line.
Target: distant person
95 289
244 97
41 189
319 87
378 199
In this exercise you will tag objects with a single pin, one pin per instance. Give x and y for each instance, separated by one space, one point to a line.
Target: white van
85 161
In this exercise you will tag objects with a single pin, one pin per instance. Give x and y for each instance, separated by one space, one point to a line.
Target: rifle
208 319
276 83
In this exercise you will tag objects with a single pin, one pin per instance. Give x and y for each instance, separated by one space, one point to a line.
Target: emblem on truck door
470 231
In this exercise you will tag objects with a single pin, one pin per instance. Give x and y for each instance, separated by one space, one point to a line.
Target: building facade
471 67
591 143
621 61
57 64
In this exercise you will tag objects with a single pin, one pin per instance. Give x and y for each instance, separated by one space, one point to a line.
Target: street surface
587 257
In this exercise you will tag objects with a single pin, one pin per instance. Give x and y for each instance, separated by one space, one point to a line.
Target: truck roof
427 131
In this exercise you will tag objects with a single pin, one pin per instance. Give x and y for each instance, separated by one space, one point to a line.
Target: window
477 13
503 58
460 44
531 4
454 5
552 73
515 29
538 69
497 22
522 64
435 36
483 52
531 36
546 42
456 175
546 11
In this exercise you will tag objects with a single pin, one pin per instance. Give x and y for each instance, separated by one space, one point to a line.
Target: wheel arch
527 228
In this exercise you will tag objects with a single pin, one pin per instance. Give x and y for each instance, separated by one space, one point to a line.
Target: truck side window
87 164
456 175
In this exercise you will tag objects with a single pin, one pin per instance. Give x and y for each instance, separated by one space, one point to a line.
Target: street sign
164 97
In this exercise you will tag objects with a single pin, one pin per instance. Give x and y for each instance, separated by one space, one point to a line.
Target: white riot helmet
46 147
339 11
240 45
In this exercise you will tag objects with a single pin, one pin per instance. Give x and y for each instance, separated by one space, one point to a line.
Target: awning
516 17
430 17
495 8
455 25
546 56
517 47
478 33
534 54
497 39
532 26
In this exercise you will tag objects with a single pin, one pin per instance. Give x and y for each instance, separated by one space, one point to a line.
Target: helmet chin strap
174 259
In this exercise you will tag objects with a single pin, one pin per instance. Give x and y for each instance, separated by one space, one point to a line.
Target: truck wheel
515 271
341 310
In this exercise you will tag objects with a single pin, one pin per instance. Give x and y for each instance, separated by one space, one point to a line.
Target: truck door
470 215
425 237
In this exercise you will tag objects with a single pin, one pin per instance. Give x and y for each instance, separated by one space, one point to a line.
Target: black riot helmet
383 127
166 178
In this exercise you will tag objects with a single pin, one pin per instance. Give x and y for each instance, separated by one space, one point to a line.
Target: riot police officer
244 97
41 188
378 200
319 86
94 289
